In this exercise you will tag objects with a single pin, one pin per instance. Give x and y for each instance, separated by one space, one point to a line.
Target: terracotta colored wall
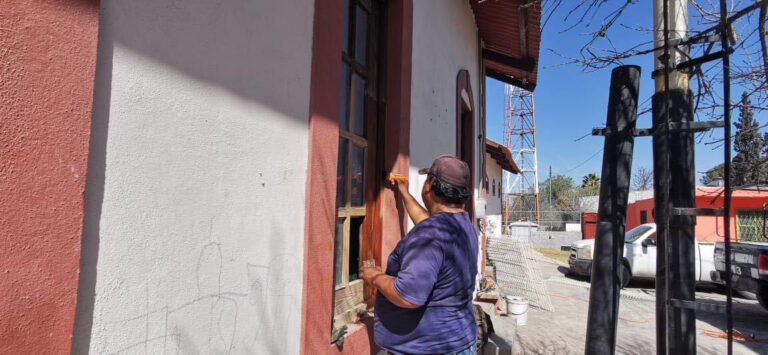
712 229
633 212
708 229
323 150
47 63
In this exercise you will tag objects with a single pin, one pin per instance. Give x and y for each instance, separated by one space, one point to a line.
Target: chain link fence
560 221
752 226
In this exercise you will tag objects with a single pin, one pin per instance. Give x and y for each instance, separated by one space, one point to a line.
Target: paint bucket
517 307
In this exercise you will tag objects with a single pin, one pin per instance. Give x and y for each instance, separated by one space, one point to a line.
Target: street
563 331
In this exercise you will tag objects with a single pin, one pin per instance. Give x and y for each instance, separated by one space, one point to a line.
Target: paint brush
392 177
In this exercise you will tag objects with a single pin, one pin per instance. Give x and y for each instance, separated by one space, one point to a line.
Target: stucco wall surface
47 61
493 201
493 206
444 42
194 216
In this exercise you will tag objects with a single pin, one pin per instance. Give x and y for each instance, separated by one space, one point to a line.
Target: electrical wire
584 162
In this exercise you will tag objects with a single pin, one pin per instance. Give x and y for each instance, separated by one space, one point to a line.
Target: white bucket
517 307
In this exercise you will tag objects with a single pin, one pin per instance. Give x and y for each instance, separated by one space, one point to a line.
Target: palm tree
590 180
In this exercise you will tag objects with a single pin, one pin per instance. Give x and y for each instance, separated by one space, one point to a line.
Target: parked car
639 256
749 268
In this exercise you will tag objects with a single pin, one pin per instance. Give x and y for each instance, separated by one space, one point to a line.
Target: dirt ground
563 331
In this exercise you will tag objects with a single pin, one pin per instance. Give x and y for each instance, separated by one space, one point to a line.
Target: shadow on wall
94 195
220 42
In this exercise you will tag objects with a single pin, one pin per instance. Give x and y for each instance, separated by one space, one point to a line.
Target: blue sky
570 102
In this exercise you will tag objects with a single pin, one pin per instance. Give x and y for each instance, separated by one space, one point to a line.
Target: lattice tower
521 191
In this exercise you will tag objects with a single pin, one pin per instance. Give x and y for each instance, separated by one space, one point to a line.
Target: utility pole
550 187
674 181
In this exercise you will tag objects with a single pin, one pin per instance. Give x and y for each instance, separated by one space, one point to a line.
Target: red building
748 215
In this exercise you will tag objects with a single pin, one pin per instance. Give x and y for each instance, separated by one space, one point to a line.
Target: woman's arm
414 209
386 285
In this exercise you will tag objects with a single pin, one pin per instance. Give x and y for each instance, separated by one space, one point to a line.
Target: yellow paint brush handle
401 178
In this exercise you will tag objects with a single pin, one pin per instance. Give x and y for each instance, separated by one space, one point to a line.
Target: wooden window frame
465 131
350 295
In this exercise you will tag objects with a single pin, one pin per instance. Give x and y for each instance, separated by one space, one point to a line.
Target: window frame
465 132
350 295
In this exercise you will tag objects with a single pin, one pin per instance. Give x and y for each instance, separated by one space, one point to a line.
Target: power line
584 162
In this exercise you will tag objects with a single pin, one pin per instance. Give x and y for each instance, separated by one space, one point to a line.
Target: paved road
563 331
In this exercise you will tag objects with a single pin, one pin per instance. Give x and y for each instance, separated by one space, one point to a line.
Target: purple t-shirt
434 266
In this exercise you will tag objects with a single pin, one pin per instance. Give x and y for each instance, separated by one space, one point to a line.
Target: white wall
444 42
493 202
195 210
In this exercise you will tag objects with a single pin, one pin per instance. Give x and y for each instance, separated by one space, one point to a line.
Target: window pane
346 26
357 167
344 98
361 35
354 247
341 186
358 126
338 247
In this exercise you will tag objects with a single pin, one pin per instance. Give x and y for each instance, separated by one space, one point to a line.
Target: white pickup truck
639 256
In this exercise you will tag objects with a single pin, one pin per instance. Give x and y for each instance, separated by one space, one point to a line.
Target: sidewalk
564 330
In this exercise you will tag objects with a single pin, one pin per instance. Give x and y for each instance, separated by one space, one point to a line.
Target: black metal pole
612 210
727 170
682 247
661 185
661 182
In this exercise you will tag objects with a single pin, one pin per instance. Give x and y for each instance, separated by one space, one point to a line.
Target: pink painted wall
708 229
47 62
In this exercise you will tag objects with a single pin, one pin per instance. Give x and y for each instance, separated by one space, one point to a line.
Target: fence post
612 209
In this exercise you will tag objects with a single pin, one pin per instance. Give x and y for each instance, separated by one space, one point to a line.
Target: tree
748 145
561 189
589 180
642 179
590 185
714 174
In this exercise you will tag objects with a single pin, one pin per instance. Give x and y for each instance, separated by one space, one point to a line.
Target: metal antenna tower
521 191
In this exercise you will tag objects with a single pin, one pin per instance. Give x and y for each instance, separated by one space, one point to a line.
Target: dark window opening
354 248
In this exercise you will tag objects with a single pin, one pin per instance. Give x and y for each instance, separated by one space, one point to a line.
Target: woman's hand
399 182
368 274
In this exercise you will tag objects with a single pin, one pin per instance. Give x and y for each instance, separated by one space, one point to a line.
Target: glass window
338 247
357 121
357 175
361 35
634 233
341 177
344 98
358 126
345 49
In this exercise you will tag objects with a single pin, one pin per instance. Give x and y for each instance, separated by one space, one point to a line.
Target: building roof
717 192
590 203
502 155
511 33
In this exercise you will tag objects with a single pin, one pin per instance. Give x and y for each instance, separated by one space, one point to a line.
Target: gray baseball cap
450 169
